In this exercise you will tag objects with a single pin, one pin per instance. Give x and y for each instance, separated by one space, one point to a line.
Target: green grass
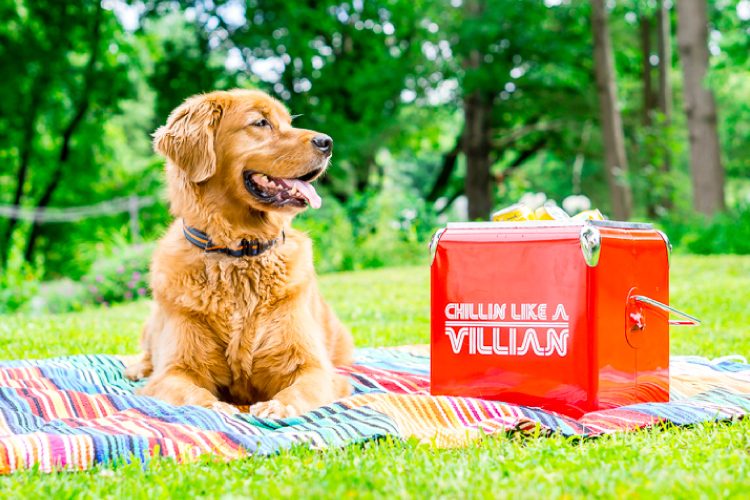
390 307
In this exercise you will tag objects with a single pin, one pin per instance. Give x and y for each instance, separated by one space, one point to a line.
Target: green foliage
183 62
67 66
373 230
121 277
18 284
385 78
726 233
59 296
341 66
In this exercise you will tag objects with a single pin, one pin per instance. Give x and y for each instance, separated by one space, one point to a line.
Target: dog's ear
188 137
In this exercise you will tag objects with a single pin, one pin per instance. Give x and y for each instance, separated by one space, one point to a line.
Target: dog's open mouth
282 192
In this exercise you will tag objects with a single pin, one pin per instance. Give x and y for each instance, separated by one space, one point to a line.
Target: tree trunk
664 51
363 172
81 109
664 97
477 148
705 160
648 92
650 102
27 146
647 106
43 203
477 138
616 163
57 174
450 159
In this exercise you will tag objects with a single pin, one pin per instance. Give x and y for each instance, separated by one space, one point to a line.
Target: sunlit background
439 111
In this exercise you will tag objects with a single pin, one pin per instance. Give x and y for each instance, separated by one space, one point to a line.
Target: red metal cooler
565 315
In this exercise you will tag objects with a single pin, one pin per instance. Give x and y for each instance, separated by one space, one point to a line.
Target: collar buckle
252 248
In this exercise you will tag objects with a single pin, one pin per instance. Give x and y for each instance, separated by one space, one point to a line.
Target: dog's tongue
308 191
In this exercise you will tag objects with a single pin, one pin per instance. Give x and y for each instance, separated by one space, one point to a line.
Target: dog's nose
323 143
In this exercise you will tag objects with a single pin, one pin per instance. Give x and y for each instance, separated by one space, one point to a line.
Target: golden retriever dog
237 316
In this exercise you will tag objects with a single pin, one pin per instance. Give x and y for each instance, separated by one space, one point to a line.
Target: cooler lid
588 232
549 223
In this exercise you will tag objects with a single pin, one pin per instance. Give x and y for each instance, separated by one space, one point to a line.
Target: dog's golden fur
247 330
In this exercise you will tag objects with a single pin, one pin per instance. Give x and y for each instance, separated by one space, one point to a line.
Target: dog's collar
248 248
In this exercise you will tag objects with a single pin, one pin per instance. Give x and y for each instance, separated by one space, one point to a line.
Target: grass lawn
390 307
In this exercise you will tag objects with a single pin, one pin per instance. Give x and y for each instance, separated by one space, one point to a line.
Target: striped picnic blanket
75 412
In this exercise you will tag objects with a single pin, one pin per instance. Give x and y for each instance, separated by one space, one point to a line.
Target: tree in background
73 76
477 106
616 163
730 82
700 107
183 62
341 67
411 49
429 102
651 138
520 72
664 94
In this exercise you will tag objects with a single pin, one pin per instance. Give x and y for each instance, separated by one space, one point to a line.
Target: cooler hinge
591 244
434 243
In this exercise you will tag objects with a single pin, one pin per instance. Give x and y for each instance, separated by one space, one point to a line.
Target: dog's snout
323 142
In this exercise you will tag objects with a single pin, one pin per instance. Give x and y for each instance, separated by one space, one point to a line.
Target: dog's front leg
142 366
186 365
179 386
296 366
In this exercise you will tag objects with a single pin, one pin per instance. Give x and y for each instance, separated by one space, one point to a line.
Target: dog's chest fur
243 288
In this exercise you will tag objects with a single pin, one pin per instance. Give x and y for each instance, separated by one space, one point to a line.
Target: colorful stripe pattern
75 412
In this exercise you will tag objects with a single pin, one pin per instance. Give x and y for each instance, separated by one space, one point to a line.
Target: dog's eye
262 123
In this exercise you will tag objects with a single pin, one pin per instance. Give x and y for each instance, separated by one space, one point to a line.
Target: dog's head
236 154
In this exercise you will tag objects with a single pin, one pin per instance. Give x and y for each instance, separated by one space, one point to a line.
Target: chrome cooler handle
687 320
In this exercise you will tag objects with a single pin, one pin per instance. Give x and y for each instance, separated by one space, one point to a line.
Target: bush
726 233
392 229
18 283
389 231
121 277
59 296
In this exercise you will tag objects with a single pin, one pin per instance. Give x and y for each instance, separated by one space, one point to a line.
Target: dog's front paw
225 408
272 409
139 370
